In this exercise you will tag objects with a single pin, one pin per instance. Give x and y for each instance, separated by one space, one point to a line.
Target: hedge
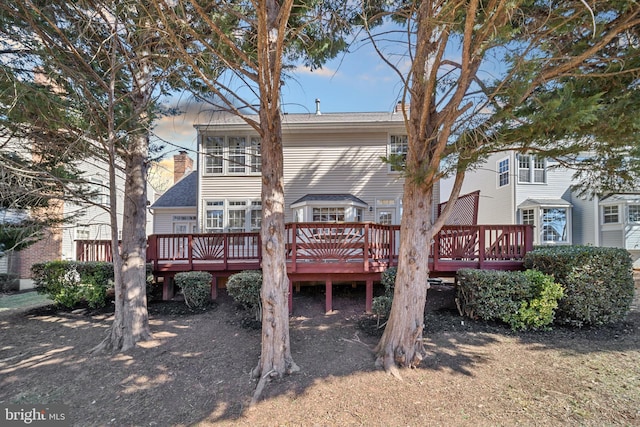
68 283
598 282
524 300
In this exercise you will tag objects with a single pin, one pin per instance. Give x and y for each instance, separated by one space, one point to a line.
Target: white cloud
322 72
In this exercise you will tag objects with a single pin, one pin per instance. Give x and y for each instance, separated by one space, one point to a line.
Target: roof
544 202
182 194
329 198
303 120
622 197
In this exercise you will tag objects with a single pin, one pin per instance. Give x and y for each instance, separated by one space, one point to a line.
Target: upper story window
398 147
610 214
532 169
503 172
634 213
233 155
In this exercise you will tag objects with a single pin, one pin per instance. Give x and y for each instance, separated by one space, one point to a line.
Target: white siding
94 219
632 241
585 219
338 163
319 161
612 238
496 204
163 218
557 187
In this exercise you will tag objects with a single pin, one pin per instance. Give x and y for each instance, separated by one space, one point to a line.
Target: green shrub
196 287
538 312
244 288
381 306
69 283
9 282
598 282
524 300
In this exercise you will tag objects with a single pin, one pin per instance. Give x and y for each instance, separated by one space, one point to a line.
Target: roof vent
318 113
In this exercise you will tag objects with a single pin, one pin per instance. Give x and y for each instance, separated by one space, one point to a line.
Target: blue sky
354 82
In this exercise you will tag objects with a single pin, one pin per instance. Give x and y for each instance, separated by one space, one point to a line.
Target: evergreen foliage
195 286
244 288
598 282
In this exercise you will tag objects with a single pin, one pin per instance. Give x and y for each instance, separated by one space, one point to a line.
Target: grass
22 300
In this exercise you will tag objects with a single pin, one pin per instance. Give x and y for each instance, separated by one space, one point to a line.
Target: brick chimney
182 164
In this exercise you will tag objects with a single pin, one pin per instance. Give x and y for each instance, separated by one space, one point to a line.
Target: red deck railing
328 252
331 248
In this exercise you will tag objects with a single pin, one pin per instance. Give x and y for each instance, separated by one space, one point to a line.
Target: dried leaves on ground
197 369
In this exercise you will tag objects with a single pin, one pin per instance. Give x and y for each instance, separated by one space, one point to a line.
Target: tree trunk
275 358
131 321
401 343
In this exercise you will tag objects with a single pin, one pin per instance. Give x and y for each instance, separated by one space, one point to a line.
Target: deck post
369 296
290 296
214 287
328 286
167 288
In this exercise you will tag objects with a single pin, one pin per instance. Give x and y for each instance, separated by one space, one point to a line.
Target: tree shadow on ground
197 368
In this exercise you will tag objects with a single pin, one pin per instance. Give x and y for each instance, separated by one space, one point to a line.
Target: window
233 216
237 162
503 172
385 217
554 225
610 214
183 224
214 221
232 155
214 150
254 152
237 215
398 148
634 213
528 216
82 232
328 214
532 169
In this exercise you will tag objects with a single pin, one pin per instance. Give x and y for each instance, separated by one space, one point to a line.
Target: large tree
255 42
105 60
485 76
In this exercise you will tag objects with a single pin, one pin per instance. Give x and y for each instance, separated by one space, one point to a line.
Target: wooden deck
331 253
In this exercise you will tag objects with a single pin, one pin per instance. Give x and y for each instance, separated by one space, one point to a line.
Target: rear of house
333 172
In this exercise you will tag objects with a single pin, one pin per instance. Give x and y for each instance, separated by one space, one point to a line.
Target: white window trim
305 209
389 153
250 167
538 211
507 172
531 169
249 206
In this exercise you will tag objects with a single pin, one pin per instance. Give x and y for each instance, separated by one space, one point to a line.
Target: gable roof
330 198
181 195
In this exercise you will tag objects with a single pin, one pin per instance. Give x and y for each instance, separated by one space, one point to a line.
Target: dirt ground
196 370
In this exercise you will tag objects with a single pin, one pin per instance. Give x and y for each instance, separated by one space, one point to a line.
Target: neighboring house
91 222
333 172
175 210
528 189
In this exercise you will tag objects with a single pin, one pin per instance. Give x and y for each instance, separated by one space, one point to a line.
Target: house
520 188
175 210
89 221
343 206
333 172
